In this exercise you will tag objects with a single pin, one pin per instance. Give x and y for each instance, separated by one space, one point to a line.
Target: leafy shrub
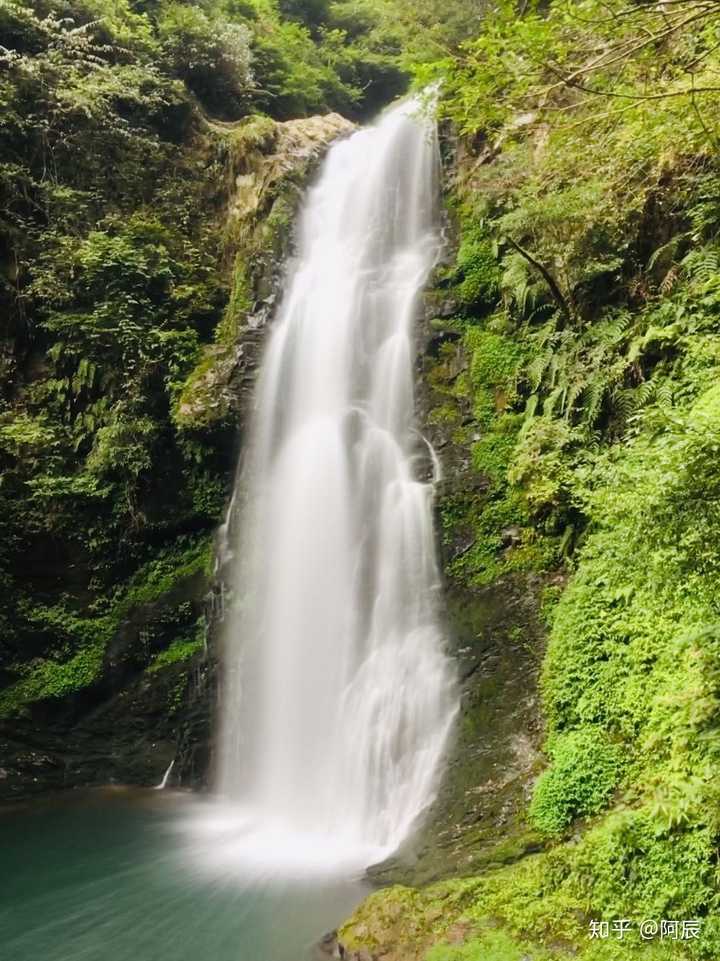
585 769
212 56
309 12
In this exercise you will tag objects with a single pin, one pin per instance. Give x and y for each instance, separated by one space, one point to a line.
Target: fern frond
702 265
593 397
664 396
555 396
666 252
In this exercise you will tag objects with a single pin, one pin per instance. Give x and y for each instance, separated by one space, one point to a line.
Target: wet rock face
132 720
476 820
331 947
495 637
128 737
269 167
265 160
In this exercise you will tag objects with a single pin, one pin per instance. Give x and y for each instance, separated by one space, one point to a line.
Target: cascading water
338 699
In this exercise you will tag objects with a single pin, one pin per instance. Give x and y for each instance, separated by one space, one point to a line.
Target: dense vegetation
117 132
117 137
578 368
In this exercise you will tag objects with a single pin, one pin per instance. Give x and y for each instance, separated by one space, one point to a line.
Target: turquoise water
110 876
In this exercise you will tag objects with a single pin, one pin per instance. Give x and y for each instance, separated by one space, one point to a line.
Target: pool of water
113 875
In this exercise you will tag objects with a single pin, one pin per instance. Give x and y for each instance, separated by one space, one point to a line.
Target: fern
702 266
555 399
574 394
644 393
610 332
664 396
624 402
521 289
532 405
593 399
667 252
537 368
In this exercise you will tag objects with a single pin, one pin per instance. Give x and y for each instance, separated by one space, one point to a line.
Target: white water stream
337 697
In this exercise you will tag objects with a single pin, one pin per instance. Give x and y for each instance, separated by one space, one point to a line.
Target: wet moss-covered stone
268 165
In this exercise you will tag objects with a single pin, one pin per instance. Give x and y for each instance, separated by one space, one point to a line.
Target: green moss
277 226
52 679
476 274
180 650
491 946
195 405
188 558
493 370
228 330
493 454
79 660
585 770
257 133
544 904
444 414
403 916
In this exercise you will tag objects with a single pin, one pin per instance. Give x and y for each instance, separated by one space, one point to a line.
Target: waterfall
166 777
337 695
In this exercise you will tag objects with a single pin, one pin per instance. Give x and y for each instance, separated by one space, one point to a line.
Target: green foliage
541 907
477 271
180 650
311 12
427 30
114 295
580 380
45 678
494 362
189 557
213 56
488 384
492 946
585 770
75 653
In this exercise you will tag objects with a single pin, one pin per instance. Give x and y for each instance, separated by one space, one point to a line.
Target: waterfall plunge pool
124 875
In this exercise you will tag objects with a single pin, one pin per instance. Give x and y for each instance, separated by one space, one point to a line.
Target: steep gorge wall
146 697
123 299
572 394
494 629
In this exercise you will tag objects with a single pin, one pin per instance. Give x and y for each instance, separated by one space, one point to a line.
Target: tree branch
569 82
618 54
546 275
